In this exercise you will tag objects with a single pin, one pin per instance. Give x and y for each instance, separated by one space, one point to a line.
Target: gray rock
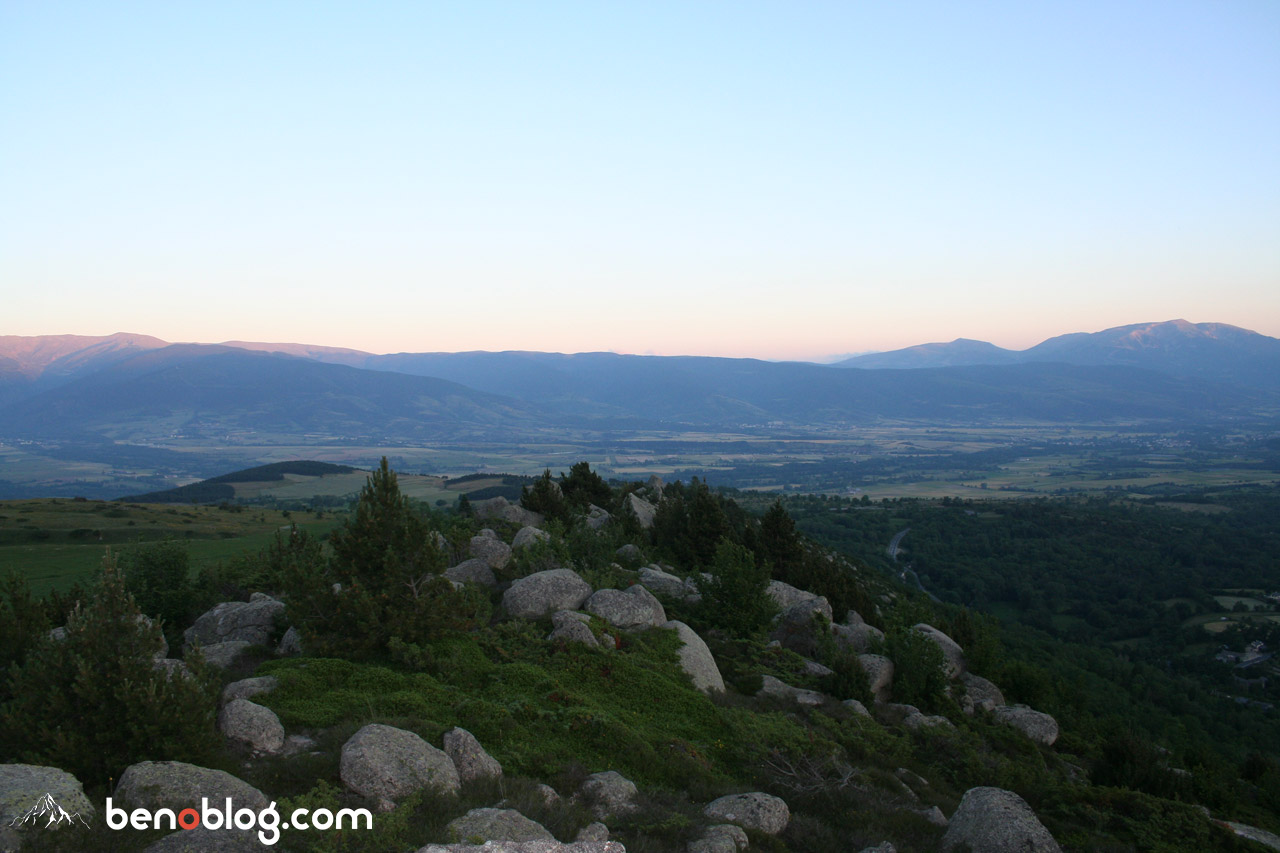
224 655
787 596
856 707
609 794
23 785
175 785
172 667
252 622
992 820
501 508
597 517
643 510
470 759
721 838
629 554
980 693
298 744
204 840
251 725
492 550
545 592
527 847
528 536
496 825
548 794
663 583
882 847
916 722
773 688
290 643
879 670
935 816
1037 725
571 627
632 609
812 667
696 659
797 629
593 832
655 485
387 764
247 688
761 812
858 637
951 650
475 570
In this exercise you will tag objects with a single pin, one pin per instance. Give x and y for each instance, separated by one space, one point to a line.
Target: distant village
1246 665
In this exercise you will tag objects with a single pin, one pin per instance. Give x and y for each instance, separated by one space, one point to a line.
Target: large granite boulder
1037 725
500 507
855 633
225 655
775 689
721 838
666 584
387 764
644 511
480 825
251 725
979 693
992 820
528 536
609 794
597 517
696 659
569 626
879 670
24 786
247 688
175 785
290 643
470 759
491 549
629 554
252 621
796 628
787 596
951 650
545 592
632 609
761 812
475 570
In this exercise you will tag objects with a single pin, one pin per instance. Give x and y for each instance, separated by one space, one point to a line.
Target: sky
773 180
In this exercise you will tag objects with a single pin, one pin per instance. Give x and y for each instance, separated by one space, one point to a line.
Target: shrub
734 597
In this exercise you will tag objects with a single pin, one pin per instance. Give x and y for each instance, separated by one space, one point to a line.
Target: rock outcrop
696 659
175 785
721 838
879 670
609 794
951 650
569 626
979 693
251 725
528 536
632 609
479 825
488 547
247 688
761 812
545 592
992 820
474 570
500 507
387 764
22 786
252 622
1037 725
470 759
775 689
787 596
644 511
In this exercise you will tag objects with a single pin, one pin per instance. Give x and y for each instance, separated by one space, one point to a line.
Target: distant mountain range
138 388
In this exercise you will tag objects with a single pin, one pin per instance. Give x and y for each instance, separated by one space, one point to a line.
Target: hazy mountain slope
31 363
213 390
958 353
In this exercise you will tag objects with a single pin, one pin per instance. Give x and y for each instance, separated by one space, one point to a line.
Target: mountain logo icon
46 813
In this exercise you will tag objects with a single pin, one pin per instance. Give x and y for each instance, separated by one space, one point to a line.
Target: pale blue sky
780 180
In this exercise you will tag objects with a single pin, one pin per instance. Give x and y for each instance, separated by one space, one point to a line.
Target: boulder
609 794
23 787
882 847
855 633
501 508
631 610
491 549
663 583
172 667
593 832
253 726
629 554
1037 725
597 517
856 707
721 838
812 667
979 693
644 511
290 643
298 744
247 688
992 820
387 764
786 596
527 536
550 798
470 759
656 486
545 592
796 628
496 825
696 659
879 670
175 785
252 622
571 627
475 570
776 689
761 812
224 655
951 650
921 720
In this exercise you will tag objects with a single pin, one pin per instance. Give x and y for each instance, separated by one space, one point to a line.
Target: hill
222 487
